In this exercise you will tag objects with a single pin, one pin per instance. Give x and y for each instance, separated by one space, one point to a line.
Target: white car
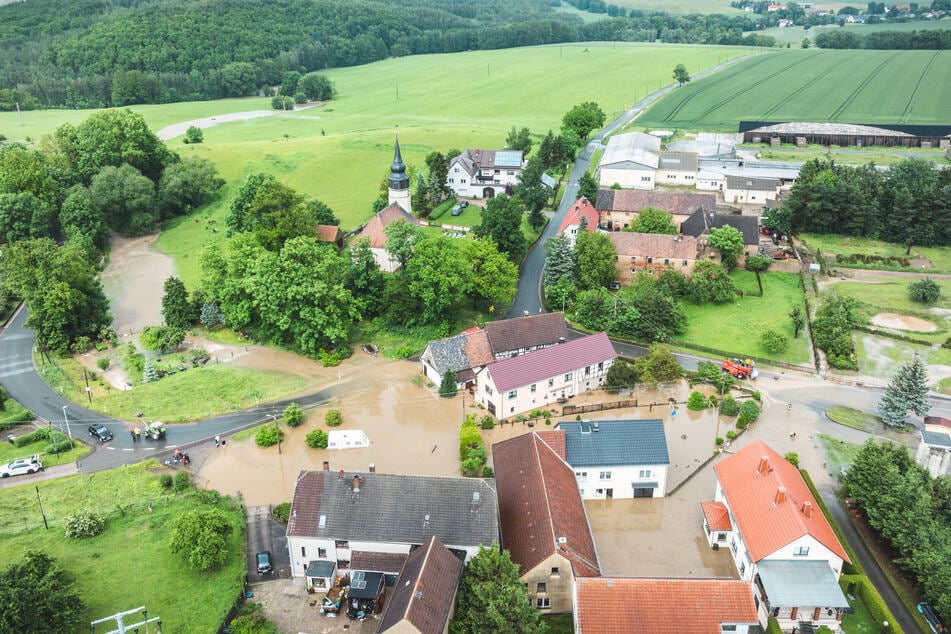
21 466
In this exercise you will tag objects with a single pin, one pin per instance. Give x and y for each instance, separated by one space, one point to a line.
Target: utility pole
277 432
65 418
132 627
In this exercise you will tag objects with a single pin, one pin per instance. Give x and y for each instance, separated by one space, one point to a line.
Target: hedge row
772 626
855 567
13 415
34 436
893 335
872 599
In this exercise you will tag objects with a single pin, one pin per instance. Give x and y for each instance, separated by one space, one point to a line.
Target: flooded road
133 282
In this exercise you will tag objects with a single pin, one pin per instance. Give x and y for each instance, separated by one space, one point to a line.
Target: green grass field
938 257
130 564
736 327
854 86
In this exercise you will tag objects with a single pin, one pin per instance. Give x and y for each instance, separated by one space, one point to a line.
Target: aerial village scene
475 317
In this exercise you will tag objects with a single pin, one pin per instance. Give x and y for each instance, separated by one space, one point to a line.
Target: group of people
181 456
136 434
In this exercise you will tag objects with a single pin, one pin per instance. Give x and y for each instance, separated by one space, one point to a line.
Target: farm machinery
740 369
155 431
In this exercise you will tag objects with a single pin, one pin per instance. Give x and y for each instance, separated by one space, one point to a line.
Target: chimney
763 465
807 510
596 427
372 468
340 475
524 313
561 340
356 484
426 521
780 496
326 465
476 502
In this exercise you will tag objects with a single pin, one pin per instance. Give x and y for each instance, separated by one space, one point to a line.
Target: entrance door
488 192
492 408
609 493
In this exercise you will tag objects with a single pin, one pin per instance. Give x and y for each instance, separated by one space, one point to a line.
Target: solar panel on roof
358 582
508 159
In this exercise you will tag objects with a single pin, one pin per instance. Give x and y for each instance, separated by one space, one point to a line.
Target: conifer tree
447 388
148 372
907 391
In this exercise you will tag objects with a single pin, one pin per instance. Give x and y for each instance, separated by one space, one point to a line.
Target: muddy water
903 322
133 283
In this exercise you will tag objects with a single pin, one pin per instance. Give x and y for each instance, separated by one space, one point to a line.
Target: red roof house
544 524
663 606
779 538
375 231
582 210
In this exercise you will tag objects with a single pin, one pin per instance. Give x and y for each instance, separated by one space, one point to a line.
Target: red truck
740 369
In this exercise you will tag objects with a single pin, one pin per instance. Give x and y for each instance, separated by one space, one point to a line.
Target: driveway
266 534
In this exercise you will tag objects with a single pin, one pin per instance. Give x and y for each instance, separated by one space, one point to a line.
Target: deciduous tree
126 198
658 366
401 240
711 282
317 87
201 537
681 76
728 242
652 220
583 118
502 221
186 185
38 596
798 317
492 599
758 264
161 339
519 140
494 277
588 186
925 291
436 278
595 260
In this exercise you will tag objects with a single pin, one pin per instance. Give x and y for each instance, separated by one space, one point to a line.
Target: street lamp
65 418
277 432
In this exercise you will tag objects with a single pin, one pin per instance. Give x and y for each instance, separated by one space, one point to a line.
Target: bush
268 436
772 625
487 472
282 103
182 481
741 423
792 458
32 437
165 481
749 410
757 396
329 359
102 363
720 441
316 439
729 407
712 401
193 135
293 415
198 356
403 352
86 523
696 402
333 418
62 444
774 341
488 422
282 512
924 291
731 435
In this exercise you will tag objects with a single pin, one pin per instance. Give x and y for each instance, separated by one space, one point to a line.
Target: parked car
464 204
928 612
21 466
456 210
100 432
265 567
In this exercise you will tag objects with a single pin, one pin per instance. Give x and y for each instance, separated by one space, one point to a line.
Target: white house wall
675 177
593 482
629 178
546 391
383 260
816 552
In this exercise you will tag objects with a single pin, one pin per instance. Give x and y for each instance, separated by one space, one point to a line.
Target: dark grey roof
936 439
321 568
801 583
365 585
751 182
395 508
700 223
608 443
448 354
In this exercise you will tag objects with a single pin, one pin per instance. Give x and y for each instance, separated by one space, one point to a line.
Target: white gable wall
632 177
595 482
540 394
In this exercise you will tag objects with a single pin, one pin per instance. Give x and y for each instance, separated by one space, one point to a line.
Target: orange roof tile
328 233
375 227
718 518
656 245
662 606
555 438
581 209
768 498
539 504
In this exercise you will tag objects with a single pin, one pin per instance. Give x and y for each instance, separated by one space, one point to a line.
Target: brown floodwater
133 282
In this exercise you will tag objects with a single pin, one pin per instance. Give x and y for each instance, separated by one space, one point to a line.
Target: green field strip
933 85
914 93
743 91
865 82
833 65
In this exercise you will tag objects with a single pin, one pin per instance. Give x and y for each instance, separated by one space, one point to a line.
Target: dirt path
179 129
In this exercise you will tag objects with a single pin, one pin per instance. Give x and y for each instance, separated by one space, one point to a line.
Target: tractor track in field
862 85
693 95
914 93
747 88
801 89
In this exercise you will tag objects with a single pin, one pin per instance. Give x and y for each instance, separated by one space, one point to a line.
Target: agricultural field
850 86
794 35
130 564
738 324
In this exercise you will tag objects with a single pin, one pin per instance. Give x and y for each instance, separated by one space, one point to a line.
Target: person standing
217 440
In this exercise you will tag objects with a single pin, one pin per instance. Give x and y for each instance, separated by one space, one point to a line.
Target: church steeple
398 178
398 181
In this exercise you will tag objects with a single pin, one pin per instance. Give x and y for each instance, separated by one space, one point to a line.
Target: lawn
856 419
829 244
735 327
846 156
217 389
9 452
880 357
110 575
838 452
849 86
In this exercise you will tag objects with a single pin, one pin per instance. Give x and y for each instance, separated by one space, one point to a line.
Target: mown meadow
849 86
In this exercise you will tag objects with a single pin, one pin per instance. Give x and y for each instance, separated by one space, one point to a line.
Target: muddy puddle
903 322
133 282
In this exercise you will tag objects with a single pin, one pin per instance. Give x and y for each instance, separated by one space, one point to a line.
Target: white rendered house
484 173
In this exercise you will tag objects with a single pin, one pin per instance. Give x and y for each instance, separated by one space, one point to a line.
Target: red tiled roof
581 209
718 518
328 233
305 508
532 367
375 228
555 438
539 503
751 480
656 245
662 606
528 331
478 348
635 200
937 420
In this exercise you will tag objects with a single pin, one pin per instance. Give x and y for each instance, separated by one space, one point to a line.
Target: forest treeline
924 40
97 53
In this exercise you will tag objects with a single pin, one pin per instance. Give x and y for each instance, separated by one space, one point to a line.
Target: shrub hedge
772 626
872 599
855 567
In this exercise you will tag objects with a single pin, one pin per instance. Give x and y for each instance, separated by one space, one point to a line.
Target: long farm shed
843 86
